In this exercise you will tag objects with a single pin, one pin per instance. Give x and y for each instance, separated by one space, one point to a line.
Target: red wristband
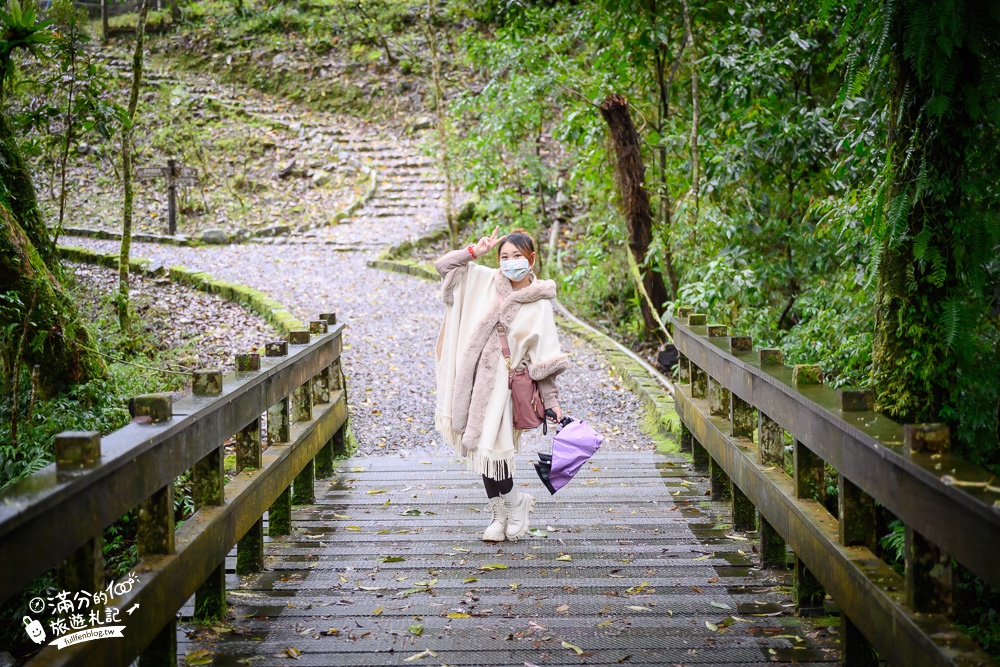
472 252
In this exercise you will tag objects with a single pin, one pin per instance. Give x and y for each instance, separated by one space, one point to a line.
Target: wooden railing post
722 486
303 488
809 470
744 513
250 548
683 369
83 570
322 388
929 575
699 381
770 441
770 435
155 533
742 417
208 484
809 592
855 649
857 515
772 546
279 515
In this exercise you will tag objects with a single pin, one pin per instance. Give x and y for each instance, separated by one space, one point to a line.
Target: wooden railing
56 517
737 404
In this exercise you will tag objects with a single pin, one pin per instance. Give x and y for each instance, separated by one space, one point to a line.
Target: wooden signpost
175 175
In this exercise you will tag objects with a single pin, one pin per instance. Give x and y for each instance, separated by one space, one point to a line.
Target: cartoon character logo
36 632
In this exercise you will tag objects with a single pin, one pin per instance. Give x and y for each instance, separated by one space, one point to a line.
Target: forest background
821 176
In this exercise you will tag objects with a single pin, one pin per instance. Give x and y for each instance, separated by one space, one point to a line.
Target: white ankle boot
519 506
496 531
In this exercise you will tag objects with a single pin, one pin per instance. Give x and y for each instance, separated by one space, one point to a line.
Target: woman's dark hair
522 241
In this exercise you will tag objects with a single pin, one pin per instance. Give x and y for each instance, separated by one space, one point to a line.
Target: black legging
494 487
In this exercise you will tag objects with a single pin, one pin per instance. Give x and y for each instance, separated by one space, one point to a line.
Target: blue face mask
515 269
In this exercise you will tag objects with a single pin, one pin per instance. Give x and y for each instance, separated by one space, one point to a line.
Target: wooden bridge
723 558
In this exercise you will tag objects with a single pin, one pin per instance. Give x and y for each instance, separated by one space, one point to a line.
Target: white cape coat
473 400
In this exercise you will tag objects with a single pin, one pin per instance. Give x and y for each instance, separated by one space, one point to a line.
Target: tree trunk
695 116
914 373
57 339
666 200
104 21
629 173
21 196
124 319
441 126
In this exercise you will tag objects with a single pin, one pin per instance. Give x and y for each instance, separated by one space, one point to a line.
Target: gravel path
391 325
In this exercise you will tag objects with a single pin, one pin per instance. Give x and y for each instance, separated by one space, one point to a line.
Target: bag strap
502 332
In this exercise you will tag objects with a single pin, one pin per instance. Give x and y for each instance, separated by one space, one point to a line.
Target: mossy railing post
322 387
929 575
771 450
718 406
279 515
155 531
742 418
83 570
304 486
857 527
337 383
250 548
208 488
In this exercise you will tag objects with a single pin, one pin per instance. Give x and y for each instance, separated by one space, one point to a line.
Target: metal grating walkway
392 547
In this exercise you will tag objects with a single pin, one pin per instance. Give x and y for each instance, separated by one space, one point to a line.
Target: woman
474 411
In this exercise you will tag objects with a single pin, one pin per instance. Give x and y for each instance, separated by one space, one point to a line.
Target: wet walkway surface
627 565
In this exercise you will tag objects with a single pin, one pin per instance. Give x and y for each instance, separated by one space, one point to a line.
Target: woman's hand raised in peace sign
487 243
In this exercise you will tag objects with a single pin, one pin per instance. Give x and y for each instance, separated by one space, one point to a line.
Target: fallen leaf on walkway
377 611
423 654
202 657
636 590
711 626
638 608
289 652
375 492
572 647
564 557
562 608
696 589
739 538
458 614
393 559
470 580
537 532
416 629
720 605
713 580
705 557
371 588
493 566
352 528
460 549
604 624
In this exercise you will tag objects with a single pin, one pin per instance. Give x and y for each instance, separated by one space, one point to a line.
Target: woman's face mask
515 269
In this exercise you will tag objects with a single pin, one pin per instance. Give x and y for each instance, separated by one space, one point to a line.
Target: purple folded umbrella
572 446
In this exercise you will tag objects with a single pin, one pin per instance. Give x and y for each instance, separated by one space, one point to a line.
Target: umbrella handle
566 420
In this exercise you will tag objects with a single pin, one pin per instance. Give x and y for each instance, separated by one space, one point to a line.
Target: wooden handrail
867 448
57 514
723 381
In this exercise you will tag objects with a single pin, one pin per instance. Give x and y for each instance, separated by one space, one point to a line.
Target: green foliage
19 29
